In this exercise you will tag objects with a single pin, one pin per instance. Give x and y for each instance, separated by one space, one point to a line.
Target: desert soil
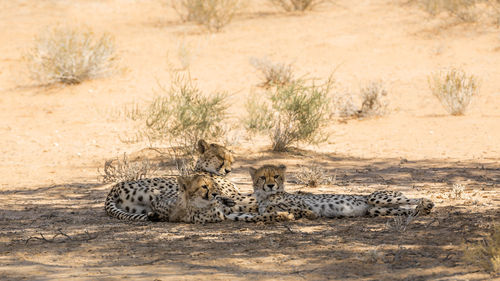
53 140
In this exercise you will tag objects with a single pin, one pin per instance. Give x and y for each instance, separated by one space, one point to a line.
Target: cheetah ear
252 171
282 169
202 146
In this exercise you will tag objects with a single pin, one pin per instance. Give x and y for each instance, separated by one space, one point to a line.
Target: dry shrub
70 56
212 14
273 74
485 253
292 113
467 11
182 114
297 5
457 191
400 223
118 170
313 176
373 102
454 88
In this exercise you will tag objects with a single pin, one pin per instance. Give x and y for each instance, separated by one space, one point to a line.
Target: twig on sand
60 233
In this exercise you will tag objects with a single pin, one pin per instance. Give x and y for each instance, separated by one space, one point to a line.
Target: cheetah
198 202
268 183
131 200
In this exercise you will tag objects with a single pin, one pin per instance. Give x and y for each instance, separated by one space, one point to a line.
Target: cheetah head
196 191
214 158
267 180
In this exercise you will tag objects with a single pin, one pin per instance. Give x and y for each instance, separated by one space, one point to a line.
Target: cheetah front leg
265 217
301 211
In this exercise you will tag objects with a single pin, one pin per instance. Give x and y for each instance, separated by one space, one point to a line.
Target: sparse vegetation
457 191
485 253
373 102
313 176
293 113
212 14
454 88
183 114
461 9
466 11
400 223
117 170
297 5
273 74
70 56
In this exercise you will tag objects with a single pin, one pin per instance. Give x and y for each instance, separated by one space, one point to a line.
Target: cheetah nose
228 171
214 194
270 186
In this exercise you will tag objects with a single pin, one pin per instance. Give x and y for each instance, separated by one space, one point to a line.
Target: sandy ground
52 222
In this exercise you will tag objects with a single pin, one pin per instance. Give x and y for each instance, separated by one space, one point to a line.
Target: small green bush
297 5
70 56
212 14
292 113
454 88
183 114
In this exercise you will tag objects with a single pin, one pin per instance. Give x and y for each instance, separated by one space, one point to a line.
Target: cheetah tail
114 211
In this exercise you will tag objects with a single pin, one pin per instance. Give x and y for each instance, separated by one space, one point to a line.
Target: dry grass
373 102
297 5
400 223
464 11
118 170
273 74
485 253
313 176
70 56
457 191
211 14
454 88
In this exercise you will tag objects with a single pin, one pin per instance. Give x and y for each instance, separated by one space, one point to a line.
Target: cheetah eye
205 186
277 176
263 178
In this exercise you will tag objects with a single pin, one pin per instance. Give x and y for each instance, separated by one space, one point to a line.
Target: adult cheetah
269 183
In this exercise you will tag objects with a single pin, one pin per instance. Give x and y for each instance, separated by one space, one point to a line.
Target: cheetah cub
269 183
198 202
132 200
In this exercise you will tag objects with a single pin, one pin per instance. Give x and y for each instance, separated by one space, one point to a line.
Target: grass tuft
211 14
313 176
297 5
118 170
274 74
